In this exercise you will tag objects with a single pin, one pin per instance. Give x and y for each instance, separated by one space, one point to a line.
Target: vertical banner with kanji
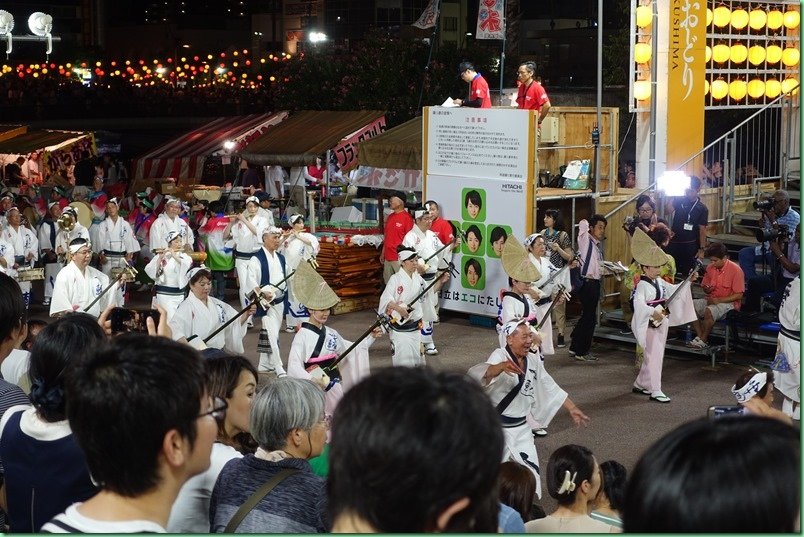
686 68
428 17
491 20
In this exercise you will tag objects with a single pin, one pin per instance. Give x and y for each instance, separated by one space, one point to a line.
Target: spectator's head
781 202
288 415
473 203
467 71
660 234
58 344
597 226
645 207
405 457
497 239
140 412
754 384
233 379
517 488
34 327
20 160
717 254
473 271
612 488
526 72
553 219
13 327
573 476
433 208
725 475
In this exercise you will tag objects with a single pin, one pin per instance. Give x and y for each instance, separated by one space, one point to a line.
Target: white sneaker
697 343
430 349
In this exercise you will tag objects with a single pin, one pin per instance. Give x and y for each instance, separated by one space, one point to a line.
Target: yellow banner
685 81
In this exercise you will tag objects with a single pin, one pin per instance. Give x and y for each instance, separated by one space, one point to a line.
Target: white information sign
488 143
488 212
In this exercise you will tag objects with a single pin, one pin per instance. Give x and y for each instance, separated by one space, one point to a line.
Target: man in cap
266 269
397 226
397 302
518 385
26 247
479 95
652 317
426 243
78 284
168 221
116 241
47 232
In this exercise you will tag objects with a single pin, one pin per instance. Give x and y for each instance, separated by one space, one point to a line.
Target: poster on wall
488 212
478 142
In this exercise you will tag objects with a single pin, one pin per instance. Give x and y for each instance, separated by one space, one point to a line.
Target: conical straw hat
311 290
645 251
516 263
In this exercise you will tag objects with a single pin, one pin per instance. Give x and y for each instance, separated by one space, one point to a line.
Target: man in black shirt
14 175
690 217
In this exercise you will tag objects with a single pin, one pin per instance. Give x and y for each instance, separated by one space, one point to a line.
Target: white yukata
75 290
24 242
352 369
270 358
787 364
171 280
653 339
163 225
426 244
547 269
537 395
115 240
406 340
64 238
7 253
194 318
246 244
48 233
297 251
514 306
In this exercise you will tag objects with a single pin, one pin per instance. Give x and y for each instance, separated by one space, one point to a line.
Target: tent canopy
38 140
399 148
183 158
306 135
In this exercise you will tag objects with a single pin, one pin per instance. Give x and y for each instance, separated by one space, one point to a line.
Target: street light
41 24
317 37
6 25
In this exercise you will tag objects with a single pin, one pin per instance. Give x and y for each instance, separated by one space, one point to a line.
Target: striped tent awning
38 140
183 158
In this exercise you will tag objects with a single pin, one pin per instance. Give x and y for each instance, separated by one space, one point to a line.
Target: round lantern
790 56
709 17
706 87
756 88
719 89
721 16
791 19
720 53
642 90
642 53
773 54
775 19
788 84
739 19
773 88
756 55
644 16
738 90
757 19
738 53
708 53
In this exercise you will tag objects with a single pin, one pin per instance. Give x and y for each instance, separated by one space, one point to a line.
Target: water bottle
688 334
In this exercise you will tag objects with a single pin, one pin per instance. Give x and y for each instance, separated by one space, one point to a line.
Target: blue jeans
219 281
747 259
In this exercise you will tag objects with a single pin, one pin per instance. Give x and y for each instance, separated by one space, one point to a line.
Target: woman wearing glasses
288 424
232 383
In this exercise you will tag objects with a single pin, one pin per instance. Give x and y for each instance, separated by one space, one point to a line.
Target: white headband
294 218
418 213
271 230
568 485
751 388
511 326
195 270
172 201
404 255
252 199
112 200
51 204
172 235
75 247
530 239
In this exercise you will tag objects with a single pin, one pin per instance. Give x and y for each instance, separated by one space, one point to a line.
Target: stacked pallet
354 273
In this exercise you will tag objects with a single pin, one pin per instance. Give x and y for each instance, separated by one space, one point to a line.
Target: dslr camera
763 205
778 232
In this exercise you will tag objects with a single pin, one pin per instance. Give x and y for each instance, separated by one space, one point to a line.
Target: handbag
255 498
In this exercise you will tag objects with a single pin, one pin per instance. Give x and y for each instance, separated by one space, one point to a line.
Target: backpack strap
255 498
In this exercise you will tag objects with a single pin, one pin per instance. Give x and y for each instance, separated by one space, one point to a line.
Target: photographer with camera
778 223
690 218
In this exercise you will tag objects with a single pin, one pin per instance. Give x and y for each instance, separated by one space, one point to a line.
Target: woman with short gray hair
287 421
